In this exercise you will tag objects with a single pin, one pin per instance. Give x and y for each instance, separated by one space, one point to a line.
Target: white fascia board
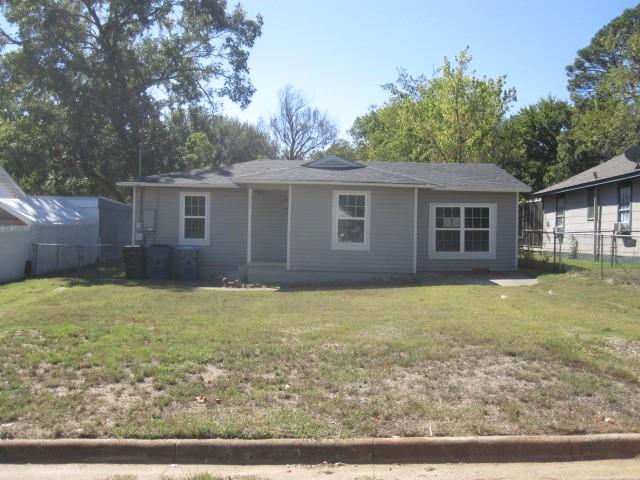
174 185
243 183
488 190
332 184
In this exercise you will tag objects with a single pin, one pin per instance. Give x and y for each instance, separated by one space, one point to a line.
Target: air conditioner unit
622 228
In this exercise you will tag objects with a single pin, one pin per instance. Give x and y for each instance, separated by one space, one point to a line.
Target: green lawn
90 357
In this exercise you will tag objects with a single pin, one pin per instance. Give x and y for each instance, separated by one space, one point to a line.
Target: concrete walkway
592 470
514 279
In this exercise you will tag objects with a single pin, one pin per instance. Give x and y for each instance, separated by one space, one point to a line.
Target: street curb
493 449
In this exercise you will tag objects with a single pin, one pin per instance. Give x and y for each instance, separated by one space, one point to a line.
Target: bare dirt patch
210 374
624 348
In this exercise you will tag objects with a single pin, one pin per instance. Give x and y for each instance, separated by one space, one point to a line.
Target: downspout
133 216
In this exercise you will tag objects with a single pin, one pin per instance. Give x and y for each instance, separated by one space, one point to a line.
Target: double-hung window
462 230
624 202
351 218
560 212
194 218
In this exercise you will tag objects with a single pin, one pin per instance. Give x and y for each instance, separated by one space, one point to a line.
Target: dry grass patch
106 357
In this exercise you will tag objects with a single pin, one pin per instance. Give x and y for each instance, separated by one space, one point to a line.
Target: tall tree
299 129
529 140
613 47
340 148
604 82
230 140
113 66
452 117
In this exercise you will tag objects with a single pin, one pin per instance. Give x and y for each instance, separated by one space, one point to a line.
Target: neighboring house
606 199
69 230
332 219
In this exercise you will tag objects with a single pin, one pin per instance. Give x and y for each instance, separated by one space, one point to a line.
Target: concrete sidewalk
591 470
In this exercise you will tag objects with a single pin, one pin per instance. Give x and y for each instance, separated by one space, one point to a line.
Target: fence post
35 259
560 253
601 245
613 247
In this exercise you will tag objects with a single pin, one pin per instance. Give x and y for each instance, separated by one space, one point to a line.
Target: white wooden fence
16 246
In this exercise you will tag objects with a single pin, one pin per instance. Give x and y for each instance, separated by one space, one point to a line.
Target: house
604 200
333 219
55 232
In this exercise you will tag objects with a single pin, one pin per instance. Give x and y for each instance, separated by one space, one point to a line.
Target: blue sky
340 52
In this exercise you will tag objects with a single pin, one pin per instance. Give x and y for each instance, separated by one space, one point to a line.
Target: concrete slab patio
506 279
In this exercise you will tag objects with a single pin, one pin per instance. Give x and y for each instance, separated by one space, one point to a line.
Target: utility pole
140 160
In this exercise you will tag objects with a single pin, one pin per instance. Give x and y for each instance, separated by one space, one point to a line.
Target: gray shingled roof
456 176
619 166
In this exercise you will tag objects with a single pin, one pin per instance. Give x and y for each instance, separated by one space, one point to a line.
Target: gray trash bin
186 263
158 262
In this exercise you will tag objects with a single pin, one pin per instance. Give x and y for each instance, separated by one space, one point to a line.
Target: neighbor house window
194 218
591 198
560 211
462 230
350 226
624 202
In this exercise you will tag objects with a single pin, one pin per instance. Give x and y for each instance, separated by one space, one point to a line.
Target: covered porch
268 220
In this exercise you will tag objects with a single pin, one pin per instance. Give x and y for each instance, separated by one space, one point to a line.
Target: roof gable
617 168
9 188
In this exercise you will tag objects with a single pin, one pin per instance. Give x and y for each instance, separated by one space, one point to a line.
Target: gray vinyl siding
577 225
391 237
391 229
228 223
114 223
269 226
505 231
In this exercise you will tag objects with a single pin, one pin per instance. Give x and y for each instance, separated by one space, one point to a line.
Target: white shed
56 233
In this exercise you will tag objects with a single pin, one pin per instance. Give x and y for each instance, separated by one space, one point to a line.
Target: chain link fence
61 257
605 254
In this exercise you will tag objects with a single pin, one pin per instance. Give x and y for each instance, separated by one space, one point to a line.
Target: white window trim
335 244
490 255
629 208
207 210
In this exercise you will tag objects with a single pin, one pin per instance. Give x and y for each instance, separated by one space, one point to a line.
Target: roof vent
333 163
633 154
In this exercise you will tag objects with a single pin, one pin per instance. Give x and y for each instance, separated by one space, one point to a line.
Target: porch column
515 263
415 230
289 228
249 218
